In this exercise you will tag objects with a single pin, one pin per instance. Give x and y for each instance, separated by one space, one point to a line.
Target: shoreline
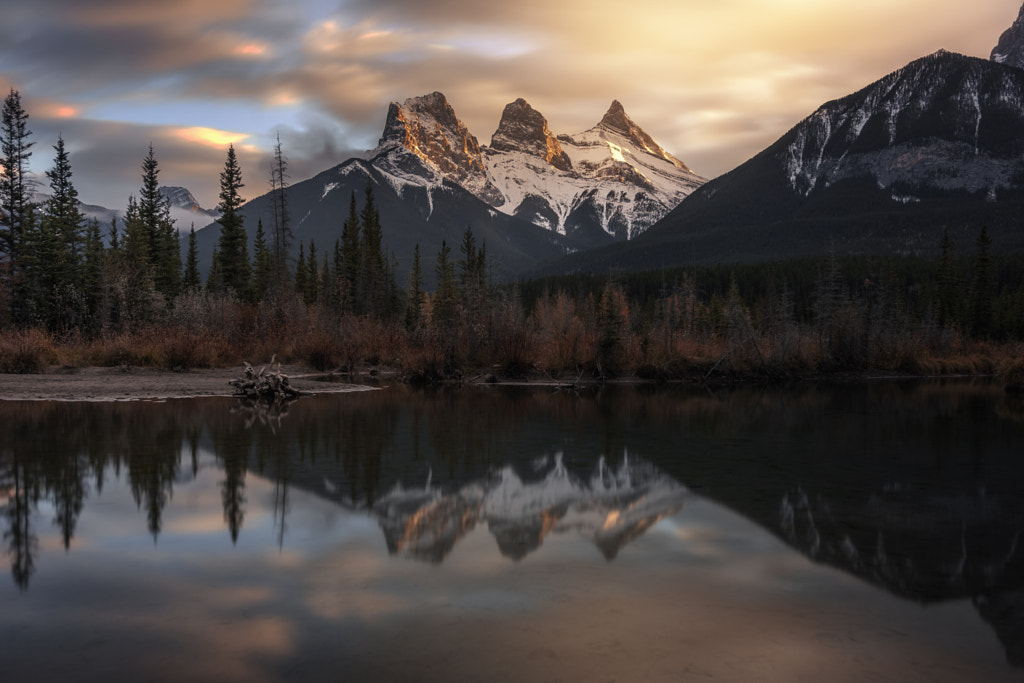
141 384
100 384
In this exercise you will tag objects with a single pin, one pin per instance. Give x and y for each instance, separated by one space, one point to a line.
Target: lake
820 532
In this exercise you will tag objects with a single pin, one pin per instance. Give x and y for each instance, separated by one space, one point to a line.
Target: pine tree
349 273
235 271
262 265
15 187
92 274
446 299
16 209
190 281
374 285
473 277
154 213
213 281
64 219
413 312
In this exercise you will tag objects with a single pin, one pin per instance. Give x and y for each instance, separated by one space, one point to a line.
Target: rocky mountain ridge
1010 49
608 183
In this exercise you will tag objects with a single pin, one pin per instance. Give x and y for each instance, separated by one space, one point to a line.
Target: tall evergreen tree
190 281
63 218
349 272
262 264
445 311
374 281
17 213
473 276
414 310
164 250
15 186
235 272
92 274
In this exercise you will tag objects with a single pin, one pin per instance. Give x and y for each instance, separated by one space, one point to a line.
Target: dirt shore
118 384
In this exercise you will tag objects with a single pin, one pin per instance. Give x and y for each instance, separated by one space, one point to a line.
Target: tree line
77 297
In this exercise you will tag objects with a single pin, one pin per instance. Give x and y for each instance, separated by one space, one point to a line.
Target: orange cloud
211 136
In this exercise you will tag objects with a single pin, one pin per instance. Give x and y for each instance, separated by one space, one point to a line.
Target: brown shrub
26 351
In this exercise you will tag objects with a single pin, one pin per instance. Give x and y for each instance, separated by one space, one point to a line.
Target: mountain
1010 49
608 183
185 209
530 196
417 206
938 143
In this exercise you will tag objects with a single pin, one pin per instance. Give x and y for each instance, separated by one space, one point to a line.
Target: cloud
712 82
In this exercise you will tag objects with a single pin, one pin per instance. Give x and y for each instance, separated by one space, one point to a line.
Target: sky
712 82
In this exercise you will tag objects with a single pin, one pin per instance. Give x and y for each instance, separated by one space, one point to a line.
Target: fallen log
267 384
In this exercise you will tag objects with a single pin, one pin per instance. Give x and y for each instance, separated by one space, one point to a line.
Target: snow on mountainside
610 182
943 123
1010 49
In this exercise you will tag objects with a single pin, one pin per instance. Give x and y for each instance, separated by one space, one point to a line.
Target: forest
74 293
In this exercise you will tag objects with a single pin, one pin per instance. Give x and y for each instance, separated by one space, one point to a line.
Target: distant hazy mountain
185 210
938 143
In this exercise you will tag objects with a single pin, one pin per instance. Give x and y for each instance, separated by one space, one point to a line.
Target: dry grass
26 351
560 339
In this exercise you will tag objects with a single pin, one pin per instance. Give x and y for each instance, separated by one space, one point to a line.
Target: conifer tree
154 213
213 283
15 187
349 272
374 284
235 272
413 312
190 281
473 276
63 219
92 274
16 209
262 265
446 299
328 293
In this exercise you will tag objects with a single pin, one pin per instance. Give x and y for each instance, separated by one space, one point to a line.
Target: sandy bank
117 384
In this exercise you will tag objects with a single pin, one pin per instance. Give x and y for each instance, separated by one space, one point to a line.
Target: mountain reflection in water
917 489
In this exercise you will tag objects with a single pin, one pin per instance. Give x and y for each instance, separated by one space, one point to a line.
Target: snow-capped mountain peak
611 182
524 129
616 121
428 127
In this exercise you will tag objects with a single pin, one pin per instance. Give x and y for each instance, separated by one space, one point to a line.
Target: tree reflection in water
914 488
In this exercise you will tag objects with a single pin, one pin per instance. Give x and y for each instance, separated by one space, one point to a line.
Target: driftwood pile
265 385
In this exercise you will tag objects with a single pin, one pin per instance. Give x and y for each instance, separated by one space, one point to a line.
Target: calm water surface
818 533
